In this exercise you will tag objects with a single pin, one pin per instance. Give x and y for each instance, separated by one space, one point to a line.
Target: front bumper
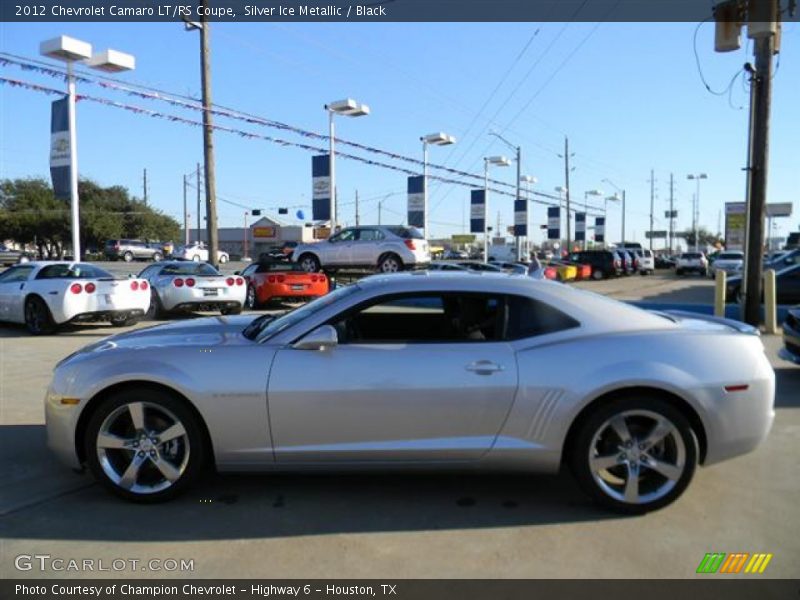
60 423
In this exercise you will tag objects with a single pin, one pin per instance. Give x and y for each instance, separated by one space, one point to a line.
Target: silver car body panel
269 406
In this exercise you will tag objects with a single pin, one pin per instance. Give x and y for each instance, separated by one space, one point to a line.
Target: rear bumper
207 305
106 315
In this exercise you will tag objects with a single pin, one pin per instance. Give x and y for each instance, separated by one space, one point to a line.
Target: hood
203 333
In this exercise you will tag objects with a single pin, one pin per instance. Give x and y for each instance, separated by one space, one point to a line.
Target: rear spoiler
732 323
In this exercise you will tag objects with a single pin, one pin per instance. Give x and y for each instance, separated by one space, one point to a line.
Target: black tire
251 300
309 263
156 309
158 257
160 407
235 310
679 272
38 319
598 274
678 445
390 263
704 273
128 257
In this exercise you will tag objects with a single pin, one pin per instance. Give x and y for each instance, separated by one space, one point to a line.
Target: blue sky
628 95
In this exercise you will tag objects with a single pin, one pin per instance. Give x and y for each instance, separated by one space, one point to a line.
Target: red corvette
273 280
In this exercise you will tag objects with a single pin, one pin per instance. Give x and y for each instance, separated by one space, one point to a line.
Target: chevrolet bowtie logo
734 563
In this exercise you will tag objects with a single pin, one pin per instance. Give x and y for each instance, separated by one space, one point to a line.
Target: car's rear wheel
598 274
196 258
158 257
156 309
144 445
38 319
128 256
390 263
223 258
635 454
309 263
251 301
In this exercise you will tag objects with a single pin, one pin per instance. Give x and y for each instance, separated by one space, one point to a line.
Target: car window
16 274
528 318
250 269
409 233
74 271
423 318
148 272
346 235
189 268
370 235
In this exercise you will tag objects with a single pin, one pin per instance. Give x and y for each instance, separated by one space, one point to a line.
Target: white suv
387 248
729 261
691 262
645 261
198 252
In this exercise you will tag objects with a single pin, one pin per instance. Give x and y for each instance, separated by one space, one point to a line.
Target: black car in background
791 336
604 263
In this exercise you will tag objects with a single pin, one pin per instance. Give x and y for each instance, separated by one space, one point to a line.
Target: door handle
484 367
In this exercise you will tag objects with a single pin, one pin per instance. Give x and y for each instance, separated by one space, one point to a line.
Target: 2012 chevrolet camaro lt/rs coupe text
420 370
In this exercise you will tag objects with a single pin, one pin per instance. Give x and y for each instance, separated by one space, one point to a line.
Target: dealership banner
59 148
416 201
477 212
321 192
553 222
520 217
580 227
600 229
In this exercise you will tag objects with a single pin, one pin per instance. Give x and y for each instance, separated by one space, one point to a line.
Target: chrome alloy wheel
637 457
390 265
142 447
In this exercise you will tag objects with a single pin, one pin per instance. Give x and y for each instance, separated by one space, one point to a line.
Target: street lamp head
66 48
112 61
614 198
348 107
561 189
594 193
500 161
528 179
702 176
438 139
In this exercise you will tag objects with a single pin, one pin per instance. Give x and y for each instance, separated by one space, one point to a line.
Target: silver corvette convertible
421 370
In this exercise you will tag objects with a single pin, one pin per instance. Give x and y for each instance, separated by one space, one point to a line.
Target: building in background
261 236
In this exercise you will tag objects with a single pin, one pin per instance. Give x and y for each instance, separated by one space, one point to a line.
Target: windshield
263 330
74 271
190 268
730 256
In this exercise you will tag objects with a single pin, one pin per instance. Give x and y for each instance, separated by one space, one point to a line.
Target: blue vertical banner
59 148
553 222
477 211
416 201
600 229
520 217
580 227
321 187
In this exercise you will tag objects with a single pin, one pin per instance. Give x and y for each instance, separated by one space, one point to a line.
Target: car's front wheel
634 454
598 274
223 258
128 256
196 258
309 263
158 257
144 445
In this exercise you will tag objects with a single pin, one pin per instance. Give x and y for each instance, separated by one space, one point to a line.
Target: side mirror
321 338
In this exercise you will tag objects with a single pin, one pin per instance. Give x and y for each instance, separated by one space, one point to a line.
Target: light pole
562 192
72 51
499 161
436 139
348 108
619 190
528 180
586 195
518 151
696 207
614 198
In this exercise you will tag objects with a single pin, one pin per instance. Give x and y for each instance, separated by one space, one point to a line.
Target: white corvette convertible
44 295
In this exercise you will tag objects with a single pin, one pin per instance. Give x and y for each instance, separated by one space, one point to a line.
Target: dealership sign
264 232
553 222
477 212
59 148
321 187
735 217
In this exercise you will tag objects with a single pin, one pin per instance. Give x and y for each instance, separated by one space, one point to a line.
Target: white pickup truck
692 262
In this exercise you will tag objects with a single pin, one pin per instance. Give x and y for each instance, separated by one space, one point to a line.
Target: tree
31 215
705 237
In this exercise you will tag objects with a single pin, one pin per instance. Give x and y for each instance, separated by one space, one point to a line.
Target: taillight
178 282
143 285
90 288
134 285
313 279
270 279
189 282
281 278
239 281
76 288
229 281
410 244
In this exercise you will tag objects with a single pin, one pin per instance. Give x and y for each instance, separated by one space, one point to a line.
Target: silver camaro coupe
420 370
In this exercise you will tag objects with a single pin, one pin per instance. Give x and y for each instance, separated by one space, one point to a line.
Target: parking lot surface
380 526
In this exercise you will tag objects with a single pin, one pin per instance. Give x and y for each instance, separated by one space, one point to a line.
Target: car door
366 248
411 388
12 292
339 248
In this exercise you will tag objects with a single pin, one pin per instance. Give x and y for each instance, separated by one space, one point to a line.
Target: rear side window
528 318
190 268
407 233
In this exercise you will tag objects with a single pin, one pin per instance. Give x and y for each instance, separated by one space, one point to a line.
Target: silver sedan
423 370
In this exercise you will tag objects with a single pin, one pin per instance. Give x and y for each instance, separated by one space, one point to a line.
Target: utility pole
198 202
245 235
566 185
358 222
380 205
671 210
185 216
144 183
764 48
208 139
518 239
652 204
